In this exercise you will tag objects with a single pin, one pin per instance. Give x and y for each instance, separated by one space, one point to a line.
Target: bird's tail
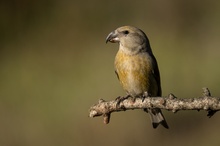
157 118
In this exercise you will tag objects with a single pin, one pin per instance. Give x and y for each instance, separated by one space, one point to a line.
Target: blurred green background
55 65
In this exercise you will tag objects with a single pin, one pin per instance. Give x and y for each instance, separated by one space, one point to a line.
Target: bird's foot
119 99
145 95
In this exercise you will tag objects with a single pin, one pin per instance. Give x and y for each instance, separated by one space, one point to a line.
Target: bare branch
170 103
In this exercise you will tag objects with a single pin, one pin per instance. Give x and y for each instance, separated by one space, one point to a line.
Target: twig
170 103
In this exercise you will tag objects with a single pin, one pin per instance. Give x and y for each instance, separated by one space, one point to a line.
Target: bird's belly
133 73
134 84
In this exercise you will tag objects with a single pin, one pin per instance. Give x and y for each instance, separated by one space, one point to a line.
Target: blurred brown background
55 65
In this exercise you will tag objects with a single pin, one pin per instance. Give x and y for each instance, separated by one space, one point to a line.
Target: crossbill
137 68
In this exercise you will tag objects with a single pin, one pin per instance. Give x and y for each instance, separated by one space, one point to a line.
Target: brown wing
156 74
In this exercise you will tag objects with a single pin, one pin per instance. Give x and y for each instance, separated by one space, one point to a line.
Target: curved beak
112 37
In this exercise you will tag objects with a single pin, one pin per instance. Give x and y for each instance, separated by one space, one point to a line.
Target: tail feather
157 118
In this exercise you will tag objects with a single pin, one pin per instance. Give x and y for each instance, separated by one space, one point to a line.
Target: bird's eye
126 32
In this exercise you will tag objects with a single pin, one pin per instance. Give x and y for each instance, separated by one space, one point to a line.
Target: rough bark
170 103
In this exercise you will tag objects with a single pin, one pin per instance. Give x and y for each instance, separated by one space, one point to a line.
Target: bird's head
129 38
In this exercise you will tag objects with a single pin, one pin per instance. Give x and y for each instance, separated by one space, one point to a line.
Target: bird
137 68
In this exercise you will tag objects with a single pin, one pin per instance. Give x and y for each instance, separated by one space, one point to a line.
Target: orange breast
135 73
